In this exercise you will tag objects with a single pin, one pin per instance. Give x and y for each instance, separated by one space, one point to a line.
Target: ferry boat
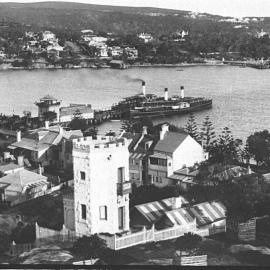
150 105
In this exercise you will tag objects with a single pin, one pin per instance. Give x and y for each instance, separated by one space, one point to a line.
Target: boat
150 105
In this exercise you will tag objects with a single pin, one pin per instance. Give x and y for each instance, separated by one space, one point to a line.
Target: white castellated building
101 185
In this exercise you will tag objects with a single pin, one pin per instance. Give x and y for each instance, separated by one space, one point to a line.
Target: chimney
20 160
144 130
143 88
182 92
19 136
47 124
166 94
39 169
176 202
249 169
164 129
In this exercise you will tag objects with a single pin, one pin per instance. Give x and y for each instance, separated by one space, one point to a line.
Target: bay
241 96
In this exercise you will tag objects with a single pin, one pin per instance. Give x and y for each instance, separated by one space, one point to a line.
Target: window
121 175
133 162
133 175
121 216
82 174
103 212
158 161
83 211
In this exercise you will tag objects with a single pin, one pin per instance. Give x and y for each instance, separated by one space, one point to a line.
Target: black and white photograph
134 134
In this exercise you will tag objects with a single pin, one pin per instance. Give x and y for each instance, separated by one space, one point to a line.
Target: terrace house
173 151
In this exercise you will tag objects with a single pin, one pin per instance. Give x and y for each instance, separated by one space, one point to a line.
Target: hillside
76 16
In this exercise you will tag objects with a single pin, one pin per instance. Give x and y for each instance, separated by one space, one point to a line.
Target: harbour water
241 96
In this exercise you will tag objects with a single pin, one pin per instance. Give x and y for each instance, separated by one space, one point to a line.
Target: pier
259 64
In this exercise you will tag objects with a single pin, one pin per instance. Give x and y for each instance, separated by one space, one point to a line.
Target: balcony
123 188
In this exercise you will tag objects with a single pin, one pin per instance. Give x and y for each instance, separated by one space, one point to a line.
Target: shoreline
8 68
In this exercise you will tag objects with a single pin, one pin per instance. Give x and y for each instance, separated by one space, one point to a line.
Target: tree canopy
89 246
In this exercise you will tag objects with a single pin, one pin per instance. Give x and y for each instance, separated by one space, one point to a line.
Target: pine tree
208 135
128 125
191 128
226 146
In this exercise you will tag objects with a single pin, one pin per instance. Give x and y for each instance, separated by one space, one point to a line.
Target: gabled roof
170 142
41 139
153 211
204 213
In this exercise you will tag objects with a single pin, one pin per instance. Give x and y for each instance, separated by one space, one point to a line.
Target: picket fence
117 242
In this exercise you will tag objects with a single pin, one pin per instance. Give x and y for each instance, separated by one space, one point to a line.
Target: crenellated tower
101 185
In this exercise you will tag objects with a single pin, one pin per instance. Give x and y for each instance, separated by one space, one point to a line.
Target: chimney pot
47 124
176 202
144 130
19 136
164 129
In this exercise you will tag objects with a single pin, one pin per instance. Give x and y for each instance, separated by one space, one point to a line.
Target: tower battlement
88 144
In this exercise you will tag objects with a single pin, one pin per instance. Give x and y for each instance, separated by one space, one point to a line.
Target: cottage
148 214
176 211
9 168
173 151
22 185
140 146
207 215
45 146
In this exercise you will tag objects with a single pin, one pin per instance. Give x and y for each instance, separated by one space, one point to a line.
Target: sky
234 8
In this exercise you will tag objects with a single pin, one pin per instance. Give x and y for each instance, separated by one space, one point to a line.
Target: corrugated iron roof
155 210
137 155
204 213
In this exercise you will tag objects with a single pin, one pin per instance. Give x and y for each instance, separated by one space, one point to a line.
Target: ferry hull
160 113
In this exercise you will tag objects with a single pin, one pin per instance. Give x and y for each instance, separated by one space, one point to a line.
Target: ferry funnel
166 94
143 88
182 92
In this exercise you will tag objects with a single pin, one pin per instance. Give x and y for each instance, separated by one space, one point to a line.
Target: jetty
258 64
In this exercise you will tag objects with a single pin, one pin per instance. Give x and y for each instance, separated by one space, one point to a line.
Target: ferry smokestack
182 92
143 88
166 94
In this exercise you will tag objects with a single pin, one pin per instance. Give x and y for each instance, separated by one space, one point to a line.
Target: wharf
253 64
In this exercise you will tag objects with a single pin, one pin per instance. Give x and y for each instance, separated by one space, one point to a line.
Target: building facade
101 186
173 151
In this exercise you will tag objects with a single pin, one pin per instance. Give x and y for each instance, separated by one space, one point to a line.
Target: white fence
119 242
152 235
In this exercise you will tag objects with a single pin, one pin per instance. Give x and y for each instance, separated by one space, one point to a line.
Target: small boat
180 69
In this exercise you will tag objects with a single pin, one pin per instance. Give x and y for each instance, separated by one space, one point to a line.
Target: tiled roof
21 179
170 142
155 210
9 167
48 137
204 213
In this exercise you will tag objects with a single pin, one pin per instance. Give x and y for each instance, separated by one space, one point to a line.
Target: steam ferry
150 105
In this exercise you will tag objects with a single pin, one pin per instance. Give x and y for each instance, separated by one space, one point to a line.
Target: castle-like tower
48 104
101 185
